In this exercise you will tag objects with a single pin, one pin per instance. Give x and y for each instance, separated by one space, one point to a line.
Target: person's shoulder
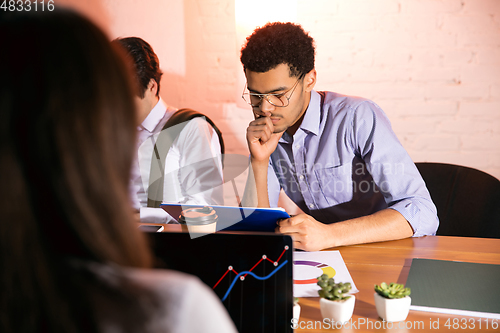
163 279
185 303
347 102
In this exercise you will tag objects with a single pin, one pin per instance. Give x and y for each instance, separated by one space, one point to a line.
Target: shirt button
297 146
311 206
301 177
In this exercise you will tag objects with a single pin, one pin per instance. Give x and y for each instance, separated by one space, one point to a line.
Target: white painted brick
305 11
435 39
481 6
495 91
476 160
486 38
420 107
379 74
438 142
209 8
368 7
447 75
486 142
473 23
376 40
458 126
480 109
415 125
472 90
457 56
333 43
216 42
222 61
423 57
480 73
356 24
392 58
427 7
427 23
489 56
495 159
465 125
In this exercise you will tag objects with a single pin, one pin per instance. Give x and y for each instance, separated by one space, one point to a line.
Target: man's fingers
260 130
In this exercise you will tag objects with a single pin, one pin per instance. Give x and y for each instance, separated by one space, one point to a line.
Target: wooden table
371 264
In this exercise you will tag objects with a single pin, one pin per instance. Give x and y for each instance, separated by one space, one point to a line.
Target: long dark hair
67 136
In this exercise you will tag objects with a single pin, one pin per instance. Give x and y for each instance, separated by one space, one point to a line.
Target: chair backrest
467 200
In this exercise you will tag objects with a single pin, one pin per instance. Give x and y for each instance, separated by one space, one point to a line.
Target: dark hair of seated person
67 138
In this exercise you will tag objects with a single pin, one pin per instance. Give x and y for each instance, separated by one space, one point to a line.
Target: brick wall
432 65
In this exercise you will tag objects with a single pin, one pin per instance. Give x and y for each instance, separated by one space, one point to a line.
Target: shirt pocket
334 185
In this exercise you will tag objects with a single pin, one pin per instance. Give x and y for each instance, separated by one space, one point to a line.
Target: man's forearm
256 194
387 224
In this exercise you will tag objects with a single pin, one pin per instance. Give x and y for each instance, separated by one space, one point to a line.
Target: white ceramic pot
395 309
296 311
337 311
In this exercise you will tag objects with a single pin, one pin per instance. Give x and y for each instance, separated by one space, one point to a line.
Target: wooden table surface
373 263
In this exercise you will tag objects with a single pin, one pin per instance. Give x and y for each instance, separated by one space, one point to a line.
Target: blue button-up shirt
345 162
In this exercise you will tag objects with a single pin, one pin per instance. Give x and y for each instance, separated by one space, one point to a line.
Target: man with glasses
336 157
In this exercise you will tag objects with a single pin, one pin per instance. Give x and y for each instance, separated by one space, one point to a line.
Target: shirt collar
311 121
155 116
312 117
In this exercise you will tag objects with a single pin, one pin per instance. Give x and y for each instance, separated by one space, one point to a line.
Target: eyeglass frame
261 96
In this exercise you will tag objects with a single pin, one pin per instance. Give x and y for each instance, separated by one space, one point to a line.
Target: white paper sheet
307 266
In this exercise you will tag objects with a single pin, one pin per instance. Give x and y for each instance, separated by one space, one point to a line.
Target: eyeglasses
279 100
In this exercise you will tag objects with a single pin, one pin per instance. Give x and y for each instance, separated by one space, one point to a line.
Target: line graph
243 274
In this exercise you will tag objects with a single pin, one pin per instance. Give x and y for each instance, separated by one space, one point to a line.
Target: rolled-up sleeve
392 168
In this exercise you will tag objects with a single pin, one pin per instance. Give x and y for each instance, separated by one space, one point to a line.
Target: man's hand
261 140
311 235
307 233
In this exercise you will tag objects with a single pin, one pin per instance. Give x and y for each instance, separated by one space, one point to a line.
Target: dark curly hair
144 61
279 43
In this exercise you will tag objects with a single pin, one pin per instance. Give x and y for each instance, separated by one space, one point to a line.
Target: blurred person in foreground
72 259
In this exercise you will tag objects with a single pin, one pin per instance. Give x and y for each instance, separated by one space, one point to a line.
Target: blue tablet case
237 218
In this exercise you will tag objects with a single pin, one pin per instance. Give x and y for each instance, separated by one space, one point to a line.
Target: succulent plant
331 290
393 290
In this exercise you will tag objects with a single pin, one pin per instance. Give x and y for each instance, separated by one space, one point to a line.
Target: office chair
467 200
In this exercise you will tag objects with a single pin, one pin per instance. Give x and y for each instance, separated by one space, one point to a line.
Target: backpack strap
175 125
322 94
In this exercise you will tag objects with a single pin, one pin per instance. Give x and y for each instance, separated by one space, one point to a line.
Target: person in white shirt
192 168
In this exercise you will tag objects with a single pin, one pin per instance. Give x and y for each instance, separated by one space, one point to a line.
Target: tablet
237 218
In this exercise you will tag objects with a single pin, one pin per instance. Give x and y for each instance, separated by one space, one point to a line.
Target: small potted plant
334 303
392 301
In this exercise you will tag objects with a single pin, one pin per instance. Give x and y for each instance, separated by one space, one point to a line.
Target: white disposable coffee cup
198 220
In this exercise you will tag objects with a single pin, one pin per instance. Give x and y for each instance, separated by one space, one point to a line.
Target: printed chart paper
307 266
